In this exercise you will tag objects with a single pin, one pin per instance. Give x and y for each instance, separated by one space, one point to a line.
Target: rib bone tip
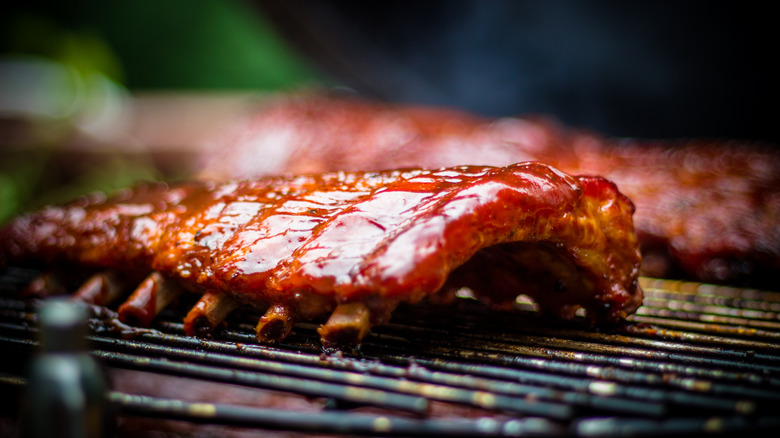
347 325
101 289
276 323
212 308
49 283
148 299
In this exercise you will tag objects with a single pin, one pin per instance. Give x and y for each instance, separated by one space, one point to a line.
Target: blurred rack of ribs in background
707 209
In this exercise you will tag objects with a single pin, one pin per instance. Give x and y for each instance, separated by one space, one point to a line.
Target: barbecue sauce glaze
313 243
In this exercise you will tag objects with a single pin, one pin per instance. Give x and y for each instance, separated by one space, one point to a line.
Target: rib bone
212 308
276 324
347 325
101 289
49 283
151 296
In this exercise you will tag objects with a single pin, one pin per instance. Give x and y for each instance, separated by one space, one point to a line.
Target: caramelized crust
307 245
706 210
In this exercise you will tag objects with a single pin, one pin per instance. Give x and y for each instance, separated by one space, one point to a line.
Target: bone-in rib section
151 297
212 308
100 289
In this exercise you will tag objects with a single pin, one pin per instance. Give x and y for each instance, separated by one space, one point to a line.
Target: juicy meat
354 244
706 210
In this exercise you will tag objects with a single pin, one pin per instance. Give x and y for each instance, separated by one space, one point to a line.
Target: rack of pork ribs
707 209
349 246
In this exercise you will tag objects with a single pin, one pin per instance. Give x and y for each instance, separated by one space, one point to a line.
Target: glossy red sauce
391 235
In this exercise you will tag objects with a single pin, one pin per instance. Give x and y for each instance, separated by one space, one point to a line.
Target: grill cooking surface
695 358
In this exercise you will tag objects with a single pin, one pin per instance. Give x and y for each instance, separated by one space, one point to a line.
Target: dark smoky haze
655 69
98 95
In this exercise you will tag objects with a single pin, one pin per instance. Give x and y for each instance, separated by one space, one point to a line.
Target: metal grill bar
705 291
675 427
616 379
409 371
695 358
713 312
351 385
766 309
615 375
595 353
665 319
682 340
503 396
348 393
326 422
529 327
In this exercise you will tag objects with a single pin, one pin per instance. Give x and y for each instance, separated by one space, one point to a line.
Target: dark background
624 68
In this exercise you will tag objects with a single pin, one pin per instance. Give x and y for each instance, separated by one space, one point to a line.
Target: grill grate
695 358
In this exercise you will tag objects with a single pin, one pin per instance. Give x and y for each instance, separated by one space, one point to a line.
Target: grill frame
695 358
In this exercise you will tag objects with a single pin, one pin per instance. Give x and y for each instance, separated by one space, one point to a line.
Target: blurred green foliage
141 45
148 44
33 179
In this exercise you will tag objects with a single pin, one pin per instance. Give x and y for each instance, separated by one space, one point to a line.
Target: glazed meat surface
706 210
353 244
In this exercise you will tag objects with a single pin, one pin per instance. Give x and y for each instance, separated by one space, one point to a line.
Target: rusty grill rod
475 320
599 366
476 398
555 373
327 422
757 308
683 309
605 427
356 382
314 388
188 350
704 400
634 396
589 352
413 380
580 377
697 360
409 371
324 422
266 375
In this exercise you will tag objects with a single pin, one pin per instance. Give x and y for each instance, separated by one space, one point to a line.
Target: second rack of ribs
354 245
